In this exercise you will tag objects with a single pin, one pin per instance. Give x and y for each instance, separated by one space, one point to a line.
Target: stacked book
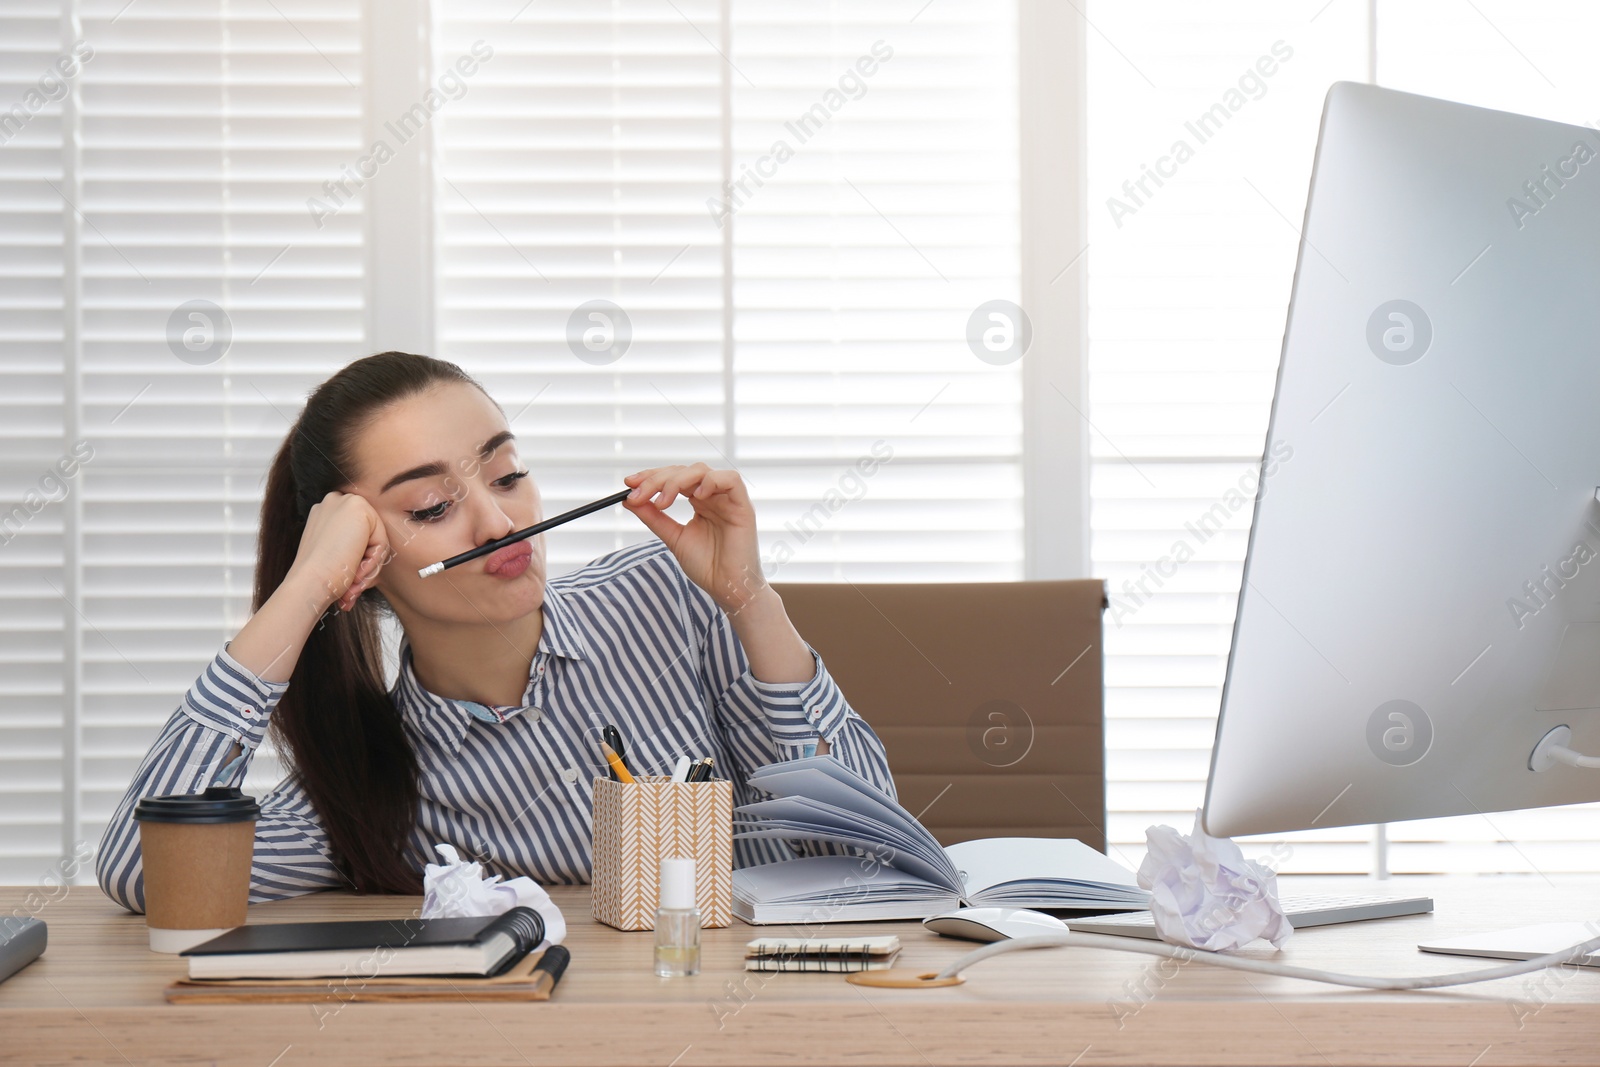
487 958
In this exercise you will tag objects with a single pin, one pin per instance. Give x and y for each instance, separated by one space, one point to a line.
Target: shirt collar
445 721
562 635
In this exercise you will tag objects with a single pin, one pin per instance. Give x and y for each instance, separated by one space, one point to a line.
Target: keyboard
1303 911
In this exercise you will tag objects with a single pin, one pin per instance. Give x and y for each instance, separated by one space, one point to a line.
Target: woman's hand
717 548
343 548
719 552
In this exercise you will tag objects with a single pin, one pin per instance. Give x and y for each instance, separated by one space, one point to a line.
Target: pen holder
638 825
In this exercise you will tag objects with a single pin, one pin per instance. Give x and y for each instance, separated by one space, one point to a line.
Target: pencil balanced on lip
521 535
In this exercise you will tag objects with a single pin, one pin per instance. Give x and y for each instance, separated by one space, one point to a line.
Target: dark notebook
369 947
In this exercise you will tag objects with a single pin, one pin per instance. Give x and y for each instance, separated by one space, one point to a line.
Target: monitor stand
1522 943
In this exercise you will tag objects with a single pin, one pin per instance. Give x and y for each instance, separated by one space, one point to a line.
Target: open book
904 874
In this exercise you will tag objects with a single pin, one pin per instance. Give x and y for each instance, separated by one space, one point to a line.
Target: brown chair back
988 697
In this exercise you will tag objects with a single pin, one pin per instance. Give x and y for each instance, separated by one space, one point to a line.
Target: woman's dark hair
336 723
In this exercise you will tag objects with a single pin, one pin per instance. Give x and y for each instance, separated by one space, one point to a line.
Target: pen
680 772
518 535
616 763
551 966
613 737
701 772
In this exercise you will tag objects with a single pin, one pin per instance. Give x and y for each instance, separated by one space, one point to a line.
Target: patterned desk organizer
638 825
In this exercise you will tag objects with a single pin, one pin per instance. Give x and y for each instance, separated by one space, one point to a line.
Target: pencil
616 763
513 538
547 972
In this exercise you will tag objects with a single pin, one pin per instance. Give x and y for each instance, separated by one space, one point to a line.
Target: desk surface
95 996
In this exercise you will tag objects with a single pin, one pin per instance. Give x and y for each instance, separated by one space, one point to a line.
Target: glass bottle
677 921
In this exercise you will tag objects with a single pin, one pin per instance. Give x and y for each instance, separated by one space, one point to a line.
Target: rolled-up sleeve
230 699
765 722
801 713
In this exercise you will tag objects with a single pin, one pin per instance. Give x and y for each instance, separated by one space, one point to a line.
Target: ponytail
336 723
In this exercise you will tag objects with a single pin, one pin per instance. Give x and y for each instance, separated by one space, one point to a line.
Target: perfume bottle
677 921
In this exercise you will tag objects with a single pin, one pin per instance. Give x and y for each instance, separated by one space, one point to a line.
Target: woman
489 738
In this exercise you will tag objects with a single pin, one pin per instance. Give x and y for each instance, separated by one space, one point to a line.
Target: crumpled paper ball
1206 895
457 889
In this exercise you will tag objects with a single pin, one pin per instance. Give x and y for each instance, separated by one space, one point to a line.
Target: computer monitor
1420 604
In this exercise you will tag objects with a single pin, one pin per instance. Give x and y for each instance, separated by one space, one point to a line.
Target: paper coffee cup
197 850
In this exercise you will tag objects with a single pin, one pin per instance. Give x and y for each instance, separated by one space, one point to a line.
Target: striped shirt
627 640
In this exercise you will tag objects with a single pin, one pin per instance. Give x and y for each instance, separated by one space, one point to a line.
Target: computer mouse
993 924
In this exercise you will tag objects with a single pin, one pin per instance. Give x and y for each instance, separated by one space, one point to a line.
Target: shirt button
816 713
247 711
569 775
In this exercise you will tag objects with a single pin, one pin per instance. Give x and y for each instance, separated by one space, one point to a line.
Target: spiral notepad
834 954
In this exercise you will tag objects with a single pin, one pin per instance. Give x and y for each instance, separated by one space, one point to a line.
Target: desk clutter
835 954
662 860
379 959
905 873
457 889
22 940
618 769
473 946
196 852
643 821
640 823
533 977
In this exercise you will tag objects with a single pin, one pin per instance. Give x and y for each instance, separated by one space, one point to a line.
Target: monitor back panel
1421 597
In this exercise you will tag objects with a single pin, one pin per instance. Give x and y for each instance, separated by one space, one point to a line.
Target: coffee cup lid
220 803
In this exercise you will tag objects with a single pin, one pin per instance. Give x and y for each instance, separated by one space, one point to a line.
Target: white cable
1178 952
1572 758
1552 748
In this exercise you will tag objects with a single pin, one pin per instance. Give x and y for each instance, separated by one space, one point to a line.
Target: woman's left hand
717 548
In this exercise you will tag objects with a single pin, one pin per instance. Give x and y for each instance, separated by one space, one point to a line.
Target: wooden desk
95 996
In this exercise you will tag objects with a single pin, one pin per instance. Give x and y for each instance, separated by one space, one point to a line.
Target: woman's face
441 470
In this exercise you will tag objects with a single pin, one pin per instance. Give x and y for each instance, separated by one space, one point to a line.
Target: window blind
576 274
31 395
874 209
211 304
1190 264
215 267
793 209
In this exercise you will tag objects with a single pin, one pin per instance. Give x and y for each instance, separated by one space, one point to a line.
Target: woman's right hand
343 548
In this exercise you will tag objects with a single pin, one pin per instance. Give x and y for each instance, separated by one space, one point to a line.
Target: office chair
988 697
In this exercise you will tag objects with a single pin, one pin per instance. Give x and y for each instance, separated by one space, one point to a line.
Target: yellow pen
616 763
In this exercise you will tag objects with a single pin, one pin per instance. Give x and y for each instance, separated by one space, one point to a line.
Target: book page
824 779
814 813
878 854
995 861
833 881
